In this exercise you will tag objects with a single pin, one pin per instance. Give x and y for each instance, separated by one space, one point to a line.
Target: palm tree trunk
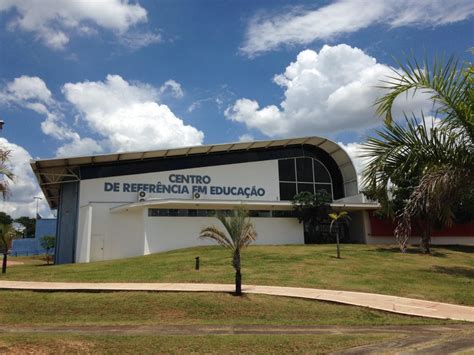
238 283
4 264
338 252
426 238
238 275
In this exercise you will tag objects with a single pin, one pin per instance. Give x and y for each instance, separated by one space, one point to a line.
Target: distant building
32 246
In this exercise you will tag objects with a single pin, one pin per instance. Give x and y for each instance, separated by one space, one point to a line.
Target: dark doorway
319 233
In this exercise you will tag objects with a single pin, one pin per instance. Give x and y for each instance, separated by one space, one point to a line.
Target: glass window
192 213
160 212
283 214
225 213
305 187
253 213
326 187
183 213
286 169
287 191
152 212
304 168
320 173
173 213
201 213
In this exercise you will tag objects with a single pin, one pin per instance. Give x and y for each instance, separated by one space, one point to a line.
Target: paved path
387 303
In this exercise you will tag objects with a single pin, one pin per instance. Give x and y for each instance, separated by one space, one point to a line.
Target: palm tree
440 159
336 218
5 172
7 234
239 233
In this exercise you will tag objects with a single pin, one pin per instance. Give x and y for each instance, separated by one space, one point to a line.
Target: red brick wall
384 228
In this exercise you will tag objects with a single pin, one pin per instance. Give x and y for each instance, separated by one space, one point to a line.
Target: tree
312 209
47 243
337 218
239 233
30 225
6 175
7 234
438 159
5 218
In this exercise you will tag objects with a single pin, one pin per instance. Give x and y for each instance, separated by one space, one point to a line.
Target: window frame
314 183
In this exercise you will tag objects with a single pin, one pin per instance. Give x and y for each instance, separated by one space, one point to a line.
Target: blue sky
129 75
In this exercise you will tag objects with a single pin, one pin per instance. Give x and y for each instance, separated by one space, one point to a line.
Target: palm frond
8 233
6 174
217 235
435 195
238 231
449 85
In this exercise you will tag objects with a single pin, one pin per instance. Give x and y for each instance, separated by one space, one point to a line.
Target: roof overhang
51 173
230 204
203 204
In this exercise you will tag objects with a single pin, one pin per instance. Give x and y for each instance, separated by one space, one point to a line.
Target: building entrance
320 234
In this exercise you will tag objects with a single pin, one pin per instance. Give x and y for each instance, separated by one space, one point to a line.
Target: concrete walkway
402 305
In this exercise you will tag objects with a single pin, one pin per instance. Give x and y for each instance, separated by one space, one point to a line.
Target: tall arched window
302 174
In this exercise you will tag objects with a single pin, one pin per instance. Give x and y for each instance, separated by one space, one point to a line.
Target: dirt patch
13 263
51 346
168 329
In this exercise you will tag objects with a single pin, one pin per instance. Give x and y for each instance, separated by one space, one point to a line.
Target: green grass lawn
446 276
148 308
215 344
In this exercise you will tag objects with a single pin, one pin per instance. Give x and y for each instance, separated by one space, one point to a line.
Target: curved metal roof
51 173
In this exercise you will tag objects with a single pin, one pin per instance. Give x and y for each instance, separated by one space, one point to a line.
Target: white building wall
357 230
262 174
133 233
103 235
168 233
114 236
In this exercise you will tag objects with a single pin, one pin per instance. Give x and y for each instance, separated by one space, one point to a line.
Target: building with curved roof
127 204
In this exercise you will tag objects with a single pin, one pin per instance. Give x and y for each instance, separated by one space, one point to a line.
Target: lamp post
37 198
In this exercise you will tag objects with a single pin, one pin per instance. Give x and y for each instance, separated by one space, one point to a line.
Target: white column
83 244
146 247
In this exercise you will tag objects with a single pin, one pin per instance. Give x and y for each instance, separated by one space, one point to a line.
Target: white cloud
25 88
303 26
221 97
54 21
174 87
246 138
25 187
355 151
32 93
128 116
326 92
136 40
79 147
